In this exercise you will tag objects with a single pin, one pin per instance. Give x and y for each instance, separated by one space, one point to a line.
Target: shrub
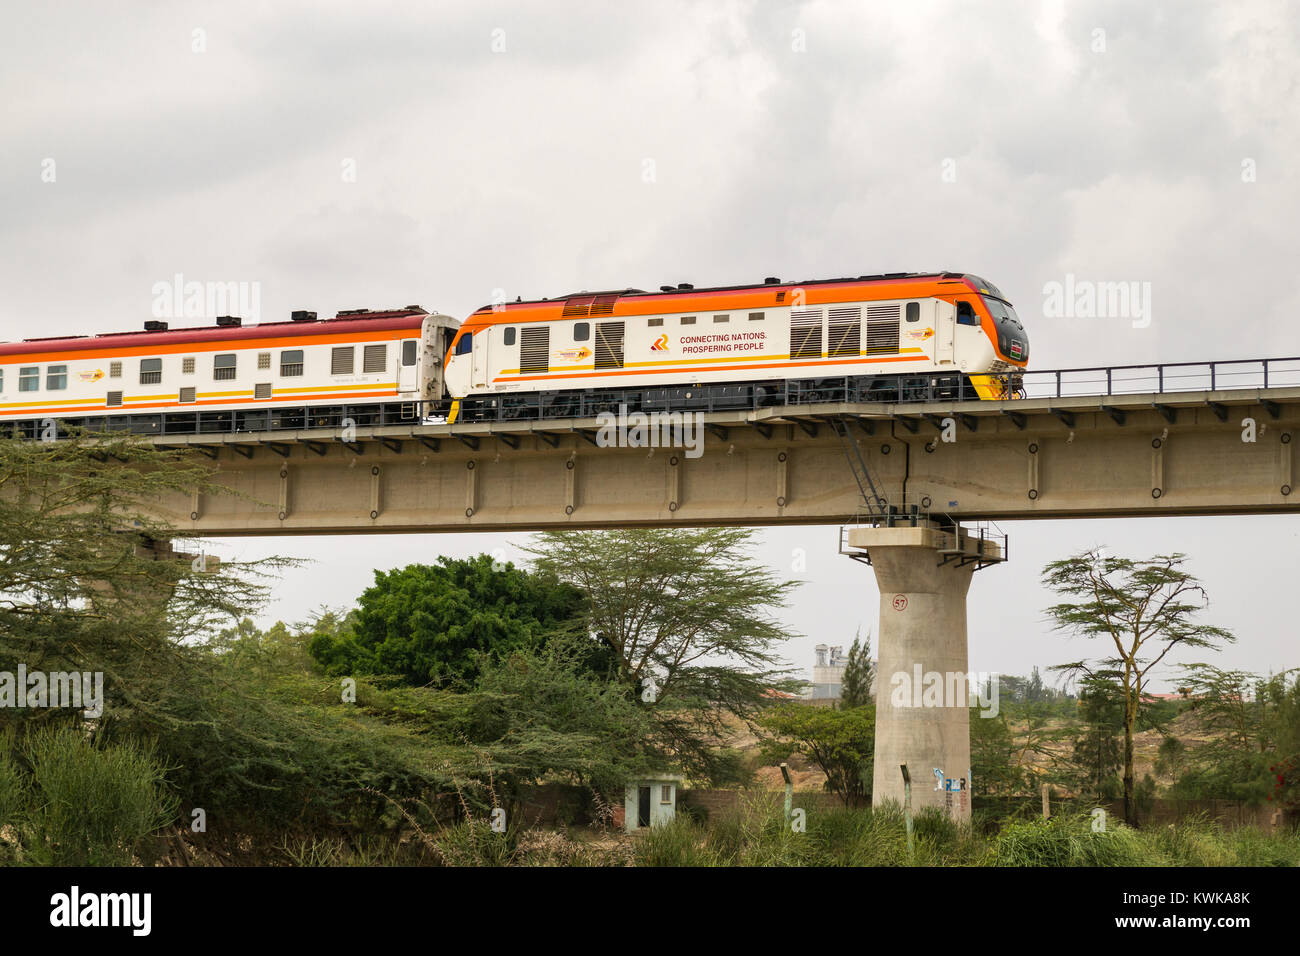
678 843
1069 841
92 805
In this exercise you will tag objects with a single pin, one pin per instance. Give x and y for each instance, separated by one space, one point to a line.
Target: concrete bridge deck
1225 451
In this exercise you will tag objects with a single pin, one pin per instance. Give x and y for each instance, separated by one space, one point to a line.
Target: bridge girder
1087 456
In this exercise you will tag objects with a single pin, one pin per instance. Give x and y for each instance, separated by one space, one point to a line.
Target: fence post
789 792
1047 804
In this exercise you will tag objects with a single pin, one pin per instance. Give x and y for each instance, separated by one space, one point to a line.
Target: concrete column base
922 699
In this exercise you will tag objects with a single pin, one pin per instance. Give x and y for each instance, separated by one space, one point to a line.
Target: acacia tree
687 615
1252 729
89 580
1145 609
93 582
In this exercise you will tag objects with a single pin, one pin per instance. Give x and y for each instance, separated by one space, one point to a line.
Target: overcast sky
382 154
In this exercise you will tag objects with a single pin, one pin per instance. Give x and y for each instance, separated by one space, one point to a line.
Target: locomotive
893 337
896 337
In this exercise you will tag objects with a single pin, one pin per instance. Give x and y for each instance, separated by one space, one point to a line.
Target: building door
643 807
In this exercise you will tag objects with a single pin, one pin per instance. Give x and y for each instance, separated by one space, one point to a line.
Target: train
891 337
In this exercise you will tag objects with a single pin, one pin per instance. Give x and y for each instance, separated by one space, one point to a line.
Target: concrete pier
922 702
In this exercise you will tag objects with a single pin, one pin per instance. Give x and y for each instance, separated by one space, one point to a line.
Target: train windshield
986 287
1002 311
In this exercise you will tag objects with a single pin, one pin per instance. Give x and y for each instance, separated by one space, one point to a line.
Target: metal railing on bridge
1162 378
982 543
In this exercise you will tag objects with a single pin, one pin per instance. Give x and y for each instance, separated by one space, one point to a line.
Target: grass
757 836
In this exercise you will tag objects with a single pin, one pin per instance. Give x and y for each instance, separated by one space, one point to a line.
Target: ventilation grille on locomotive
603 305
844 331
374 358
578 305
581 305
341 360
882 329
609 345
806 333
534 351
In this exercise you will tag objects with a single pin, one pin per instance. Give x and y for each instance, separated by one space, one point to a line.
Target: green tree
1251 730
840 742
93 581
1035 691
1098 752
539 713
89 580
1004 747
687 614
855 688
1144 609
430 623
1171 757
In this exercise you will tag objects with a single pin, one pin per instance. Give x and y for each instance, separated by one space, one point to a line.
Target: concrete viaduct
1194 451
1228 452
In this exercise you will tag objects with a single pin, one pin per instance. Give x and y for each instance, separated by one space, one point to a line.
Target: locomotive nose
1013 343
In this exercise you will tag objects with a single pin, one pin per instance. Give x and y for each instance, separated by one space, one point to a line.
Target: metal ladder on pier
872 500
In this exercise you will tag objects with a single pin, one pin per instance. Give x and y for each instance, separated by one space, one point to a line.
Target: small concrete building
650 801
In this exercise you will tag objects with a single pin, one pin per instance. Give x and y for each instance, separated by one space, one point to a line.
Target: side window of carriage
966 314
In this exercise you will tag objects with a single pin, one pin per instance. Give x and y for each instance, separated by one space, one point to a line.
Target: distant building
828 672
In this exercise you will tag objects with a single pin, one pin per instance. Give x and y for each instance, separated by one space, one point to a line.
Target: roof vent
153 325
302 315
685 285
604 304
668 288
577 305
344 312
771 280
227 321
